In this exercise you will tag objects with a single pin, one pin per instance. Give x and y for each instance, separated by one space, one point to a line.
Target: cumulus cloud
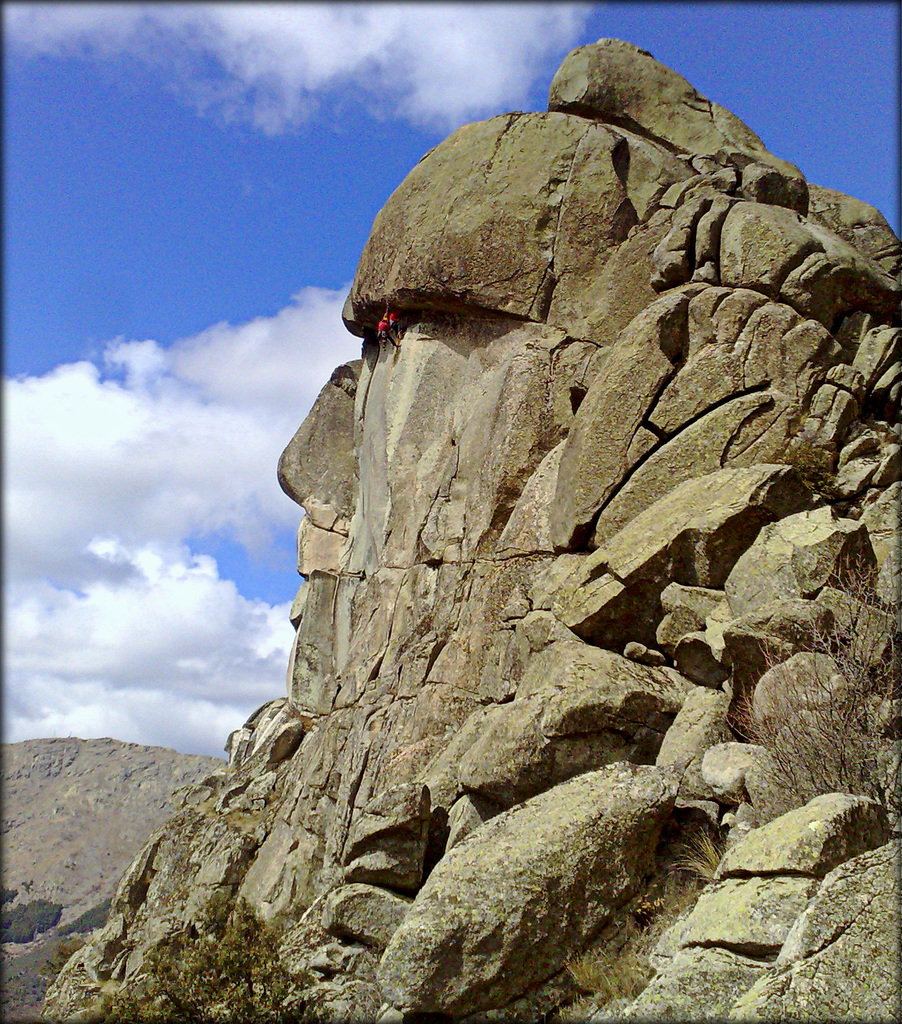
167 654
116 472
165 444
435 64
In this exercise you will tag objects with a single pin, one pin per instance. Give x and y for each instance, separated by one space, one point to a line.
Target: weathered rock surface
693 536
724 768
811 840
701 983
387 843
754 642
686 610
577 709
859 224
501 910
642 359
620 84
323 477
773 942
796 557
364 913
840 959
700 724
547 202
804 681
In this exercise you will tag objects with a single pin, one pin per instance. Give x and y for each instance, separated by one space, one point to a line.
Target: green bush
233 972
8 895
814 464
96 917
58 956
26 921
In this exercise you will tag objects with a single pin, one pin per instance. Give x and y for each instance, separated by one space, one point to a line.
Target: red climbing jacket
383 326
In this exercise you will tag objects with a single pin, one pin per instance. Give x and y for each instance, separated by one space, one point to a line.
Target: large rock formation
636 345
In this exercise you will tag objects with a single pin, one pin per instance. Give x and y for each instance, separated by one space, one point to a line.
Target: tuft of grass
623 970
608 975
700 856
576 1013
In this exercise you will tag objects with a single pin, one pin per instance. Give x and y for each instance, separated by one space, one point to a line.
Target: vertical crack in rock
509 122
348 812
544 294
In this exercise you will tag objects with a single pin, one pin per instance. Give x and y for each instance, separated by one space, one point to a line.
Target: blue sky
187 191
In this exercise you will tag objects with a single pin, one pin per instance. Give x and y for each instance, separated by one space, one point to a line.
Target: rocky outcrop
552 542
620 84
753 946
502 911
853 919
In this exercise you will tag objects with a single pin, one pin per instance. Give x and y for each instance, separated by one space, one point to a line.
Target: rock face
502 911
637 349
773 938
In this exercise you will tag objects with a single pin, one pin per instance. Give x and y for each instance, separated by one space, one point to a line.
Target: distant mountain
76 811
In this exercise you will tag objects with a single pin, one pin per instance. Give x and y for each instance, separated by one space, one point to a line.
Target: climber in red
394 327
386 327
382 329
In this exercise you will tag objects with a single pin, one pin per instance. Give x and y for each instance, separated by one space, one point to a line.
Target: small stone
695 659
724 768
644 655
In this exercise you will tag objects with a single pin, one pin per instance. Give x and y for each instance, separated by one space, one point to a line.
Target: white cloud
185 444
154 717
438 64
114 475
170 654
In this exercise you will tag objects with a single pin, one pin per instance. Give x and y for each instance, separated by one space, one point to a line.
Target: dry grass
576 1013
622 971
608 974
700 855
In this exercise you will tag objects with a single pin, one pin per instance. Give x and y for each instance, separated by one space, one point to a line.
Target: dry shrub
830 721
